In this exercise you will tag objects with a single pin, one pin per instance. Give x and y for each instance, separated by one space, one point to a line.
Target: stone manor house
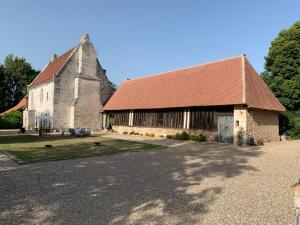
71 89
224 99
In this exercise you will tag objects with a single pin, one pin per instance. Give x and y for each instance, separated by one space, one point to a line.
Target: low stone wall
158 131
263 125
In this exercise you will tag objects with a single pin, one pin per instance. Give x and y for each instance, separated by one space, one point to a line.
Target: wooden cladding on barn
200 118
159 118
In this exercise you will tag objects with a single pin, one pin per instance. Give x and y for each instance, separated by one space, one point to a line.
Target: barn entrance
225 128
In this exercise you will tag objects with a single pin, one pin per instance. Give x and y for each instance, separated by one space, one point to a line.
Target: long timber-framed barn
225 100
222 99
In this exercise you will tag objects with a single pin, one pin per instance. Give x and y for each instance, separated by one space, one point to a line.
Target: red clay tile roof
230 81
51 69
20 106
257 93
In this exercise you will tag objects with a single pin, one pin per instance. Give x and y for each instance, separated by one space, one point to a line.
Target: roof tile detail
20 106
51 69
217 83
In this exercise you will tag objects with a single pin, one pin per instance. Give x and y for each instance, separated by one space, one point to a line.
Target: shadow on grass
69 148
153 187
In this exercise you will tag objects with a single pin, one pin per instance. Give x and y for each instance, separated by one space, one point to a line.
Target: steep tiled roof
225 82
257 93
20 106
51 69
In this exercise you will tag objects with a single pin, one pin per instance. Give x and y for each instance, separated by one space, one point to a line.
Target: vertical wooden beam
188 120
130 120
184 119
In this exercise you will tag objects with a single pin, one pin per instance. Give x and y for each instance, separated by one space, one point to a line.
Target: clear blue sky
137 38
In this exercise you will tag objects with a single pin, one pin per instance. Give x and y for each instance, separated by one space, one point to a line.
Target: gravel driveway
186 183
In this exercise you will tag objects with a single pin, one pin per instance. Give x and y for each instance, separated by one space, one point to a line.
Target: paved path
187 183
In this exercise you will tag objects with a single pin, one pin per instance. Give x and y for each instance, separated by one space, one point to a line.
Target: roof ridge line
244 78
71 53
65 62
186 68
267 89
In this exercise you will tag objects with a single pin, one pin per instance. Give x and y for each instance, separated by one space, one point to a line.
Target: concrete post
130 121
297 201
188 119
184 119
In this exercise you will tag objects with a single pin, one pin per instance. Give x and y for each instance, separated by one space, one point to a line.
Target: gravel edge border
12 157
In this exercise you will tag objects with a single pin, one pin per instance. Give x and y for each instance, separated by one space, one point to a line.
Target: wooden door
225 128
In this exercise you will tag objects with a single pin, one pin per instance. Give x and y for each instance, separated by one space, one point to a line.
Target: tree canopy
282 67
15 75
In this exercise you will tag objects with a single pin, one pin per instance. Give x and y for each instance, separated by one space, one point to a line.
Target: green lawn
30 148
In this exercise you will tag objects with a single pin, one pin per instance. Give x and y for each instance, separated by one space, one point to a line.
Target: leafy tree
15 75
10 120
2 89
282 67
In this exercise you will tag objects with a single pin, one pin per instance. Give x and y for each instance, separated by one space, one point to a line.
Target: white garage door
225 129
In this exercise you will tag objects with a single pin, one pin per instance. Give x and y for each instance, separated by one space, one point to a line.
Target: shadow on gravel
155 187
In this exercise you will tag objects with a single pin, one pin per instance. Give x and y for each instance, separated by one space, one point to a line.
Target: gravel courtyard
185 183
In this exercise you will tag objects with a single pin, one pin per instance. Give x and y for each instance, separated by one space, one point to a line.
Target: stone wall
240 115
256 123
158 131
40 102
263 125
81 88
28 119
64 93
87 102
41 98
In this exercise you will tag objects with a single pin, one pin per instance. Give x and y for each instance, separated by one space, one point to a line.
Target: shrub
161 136
11 120
136 133
150 135
182 137
198 137
125 132
240 136
169 136
251 141
132 132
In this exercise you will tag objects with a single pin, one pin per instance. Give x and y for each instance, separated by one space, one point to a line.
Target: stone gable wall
256 123
263 125
64 93
80 90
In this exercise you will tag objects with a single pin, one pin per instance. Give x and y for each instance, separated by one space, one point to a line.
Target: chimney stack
84 37
54 56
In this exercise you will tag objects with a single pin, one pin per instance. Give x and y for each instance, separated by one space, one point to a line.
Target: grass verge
31 148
